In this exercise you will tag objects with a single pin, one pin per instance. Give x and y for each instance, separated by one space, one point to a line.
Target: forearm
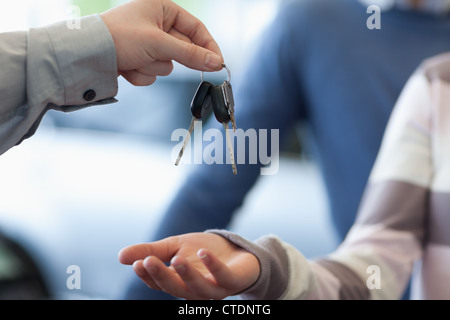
53 67
346 274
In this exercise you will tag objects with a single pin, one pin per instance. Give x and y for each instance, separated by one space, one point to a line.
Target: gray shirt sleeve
53 67
274 276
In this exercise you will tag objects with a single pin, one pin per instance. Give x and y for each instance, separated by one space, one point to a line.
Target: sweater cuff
274 276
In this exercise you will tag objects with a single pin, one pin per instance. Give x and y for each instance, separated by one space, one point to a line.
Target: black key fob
201 105
219 104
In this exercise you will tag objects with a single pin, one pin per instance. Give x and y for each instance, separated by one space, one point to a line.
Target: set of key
220 100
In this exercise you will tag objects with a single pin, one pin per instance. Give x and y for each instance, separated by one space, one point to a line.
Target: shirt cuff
81 60
69 69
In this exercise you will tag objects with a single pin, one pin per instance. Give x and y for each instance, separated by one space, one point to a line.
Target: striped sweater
403 224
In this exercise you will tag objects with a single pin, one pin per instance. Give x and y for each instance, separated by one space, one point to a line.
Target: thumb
188 54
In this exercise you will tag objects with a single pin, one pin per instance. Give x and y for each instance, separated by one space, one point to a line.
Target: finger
163 249
139 269
157 68
183 37
165 278
130 254
199 287
137 78
175 33
188 54
194 29
219 270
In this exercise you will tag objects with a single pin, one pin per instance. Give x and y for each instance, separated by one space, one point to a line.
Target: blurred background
91 182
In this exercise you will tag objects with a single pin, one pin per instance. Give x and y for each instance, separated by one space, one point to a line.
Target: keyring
228 71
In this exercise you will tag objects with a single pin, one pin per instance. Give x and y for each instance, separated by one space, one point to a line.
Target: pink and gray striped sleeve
403 223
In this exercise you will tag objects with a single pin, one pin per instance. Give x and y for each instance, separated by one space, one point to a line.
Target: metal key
228 98
227 92
201 107
221 106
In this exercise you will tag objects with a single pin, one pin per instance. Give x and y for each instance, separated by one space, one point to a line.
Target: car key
201 107
220 97
227 91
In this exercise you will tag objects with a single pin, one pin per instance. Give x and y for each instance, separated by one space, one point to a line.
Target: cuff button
89 95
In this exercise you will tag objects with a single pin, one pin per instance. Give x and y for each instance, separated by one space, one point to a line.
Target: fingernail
150 268
137 269
179 267
213 61
203 256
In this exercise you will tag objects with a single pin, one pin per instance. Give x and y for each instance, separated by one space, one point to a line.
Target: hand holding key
220 99
161 32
